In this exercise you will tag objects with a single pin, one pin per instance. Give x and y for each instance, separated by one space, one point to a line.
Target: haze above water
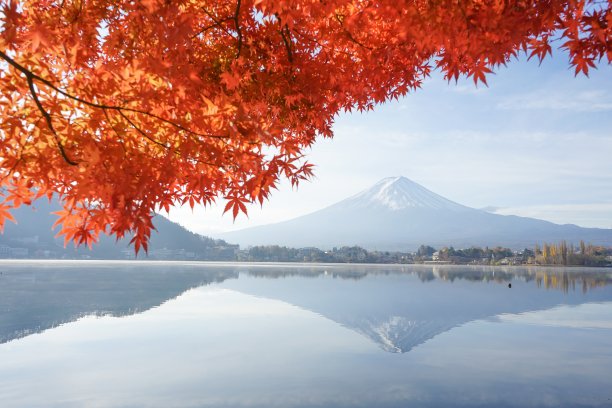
117 334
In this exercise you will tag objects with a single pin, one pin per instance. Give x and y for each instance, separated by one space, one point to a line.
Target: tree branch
237 24
216 21
31 77
49 121
208 27
286 40
142 132
108 119
167 147
348 33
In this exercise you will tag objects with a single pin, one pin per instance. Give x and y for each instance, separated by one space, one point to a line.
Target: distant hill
33 237
34 298
399 214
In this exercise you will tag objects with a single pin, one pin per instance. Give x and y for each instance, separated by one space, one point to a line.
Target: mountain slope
397 213
34 232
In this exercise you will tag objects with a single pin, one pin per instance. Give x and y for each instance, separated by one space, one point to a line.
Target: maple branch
285 40
108 119
217 22
350 36
287 44
167 147
325 48
12 169
142 132
208 27
78 14
48 120
203 30
32 76
237 24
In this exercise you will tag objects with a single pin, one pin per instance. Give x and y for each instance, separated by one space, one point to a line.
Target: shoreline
186 262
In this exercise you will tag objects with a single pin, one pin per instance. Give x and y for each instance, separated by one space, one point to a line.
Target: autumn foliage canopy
122 108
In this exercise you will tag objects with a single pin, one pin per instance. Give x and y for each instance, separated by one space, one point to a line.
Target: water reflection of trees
564 280
561 279
332 271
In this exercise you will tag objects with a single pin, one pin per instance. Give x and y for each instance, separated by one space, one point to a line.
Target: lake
164 334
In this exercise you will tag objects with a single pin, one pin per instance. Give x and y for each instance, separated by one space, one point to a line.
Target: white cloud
581 101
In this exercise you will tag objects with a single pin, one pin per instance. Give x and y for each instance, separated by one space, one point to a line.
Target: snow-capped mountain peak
399 214
399 193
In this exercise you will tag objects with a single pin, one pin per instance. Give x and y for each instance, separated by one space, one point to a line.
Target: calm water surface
87 334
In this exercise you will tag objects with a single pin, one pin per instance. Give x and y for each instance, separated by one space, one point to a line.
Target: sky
536 142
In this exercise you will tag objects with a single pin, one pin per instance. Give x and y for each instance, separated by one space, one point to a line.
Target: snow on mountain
399 193
399 214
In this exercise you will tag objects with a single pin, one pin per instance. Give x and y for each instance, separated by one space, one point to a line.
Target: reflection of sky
216 347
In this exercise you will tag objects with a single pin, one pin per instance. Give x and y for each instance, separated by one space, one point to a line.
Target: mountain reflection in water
401 308
398 307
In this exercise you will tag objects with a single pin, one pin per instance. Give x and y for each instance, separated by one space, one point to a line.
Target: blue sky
536 142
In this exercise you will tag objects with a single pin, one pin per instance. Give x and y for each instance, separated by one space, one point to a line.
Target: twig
350 36
31 77
286 40
142 132
49 121
237 24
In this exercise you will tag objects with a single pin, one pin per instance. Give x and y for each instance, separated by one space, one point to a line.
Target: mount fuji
399 214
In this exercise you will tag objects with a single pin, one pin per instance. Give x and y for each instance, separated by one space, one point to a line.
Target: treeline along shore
562 254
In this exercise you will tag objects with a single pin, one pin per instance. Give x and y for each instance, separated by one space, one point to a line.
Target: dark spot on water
510 285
